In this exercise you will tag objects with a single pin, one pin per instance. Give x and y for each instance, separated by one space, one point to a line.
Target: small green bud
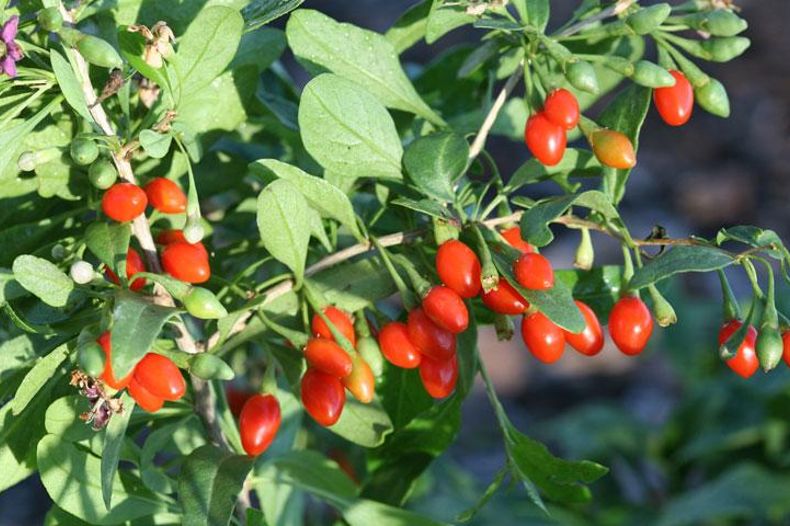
663 310
84 151
202 303
581 75
719 22
647 19
99 52
652 75
769 347
724 49
27 161
368 347
50 19
81 272
585 253
91 359
712 97
102 174
58 252
210 367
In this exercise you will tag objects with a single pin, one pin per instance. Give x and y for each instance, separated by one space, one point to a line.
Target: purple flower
10 52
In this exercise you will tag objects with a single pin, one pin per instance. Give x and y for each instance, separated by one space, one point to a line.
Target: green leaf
626 114
364 57
260 12
410 27
137 323
43 279
182 437
556 303
435 161
442 20
9 287
69 85
574 162
535 12
209 484
284 224
347 130
156 145
132 46
71 476
535 221
681 259
327 199
206 49
750 235
426 206
598 287
109 243
62 419
259 48
37 377
364 424
113 441
368 512
312 472
353 286
12 135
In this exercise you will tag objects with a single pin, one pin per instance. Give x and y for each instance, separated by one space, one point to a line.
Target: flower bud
81 272
91 359
712 97
651 75
370 351
202 303
210 367
83 151
50 19
769 347
719 22
662 309
27 161
585 253
647 19
194 232
724 49
58 252
99 52
582 76
102 174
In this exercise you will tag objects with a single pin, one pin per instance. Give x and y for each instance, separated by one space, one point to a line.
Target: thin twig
499 102
612 10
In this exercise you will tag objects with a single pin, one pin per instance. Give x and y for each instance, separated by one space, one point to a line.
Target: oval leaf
36 378
284 224
43 279
435 161
696 258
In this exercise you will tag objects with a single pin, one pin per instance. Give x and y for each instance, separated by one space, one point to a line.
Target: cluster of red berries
745 362
331 370
428 338
185 261
154 380
545 133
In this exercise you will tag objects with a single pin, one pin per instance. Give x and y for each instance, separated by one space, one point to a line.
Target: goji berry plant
199 256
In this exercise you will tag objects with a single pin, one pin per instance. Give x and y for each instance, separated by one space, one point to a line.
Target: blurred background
687 441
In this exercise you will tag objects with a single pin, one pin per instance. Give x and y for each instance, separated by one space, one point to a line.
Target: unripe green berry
585 253
102 174
91 359
99 52
582 76
50 19
725 49
647 19
202 303
371 353
84 151
652 75
719 22
210 367
712 97
662 309
81 272
769 347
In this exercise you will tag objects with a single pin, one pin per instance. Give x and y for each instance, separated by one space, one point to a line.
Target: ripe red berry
123 202
543 338
675 103
562 108
459 268
160 377
786 347
590 340
613 149
545 139
186 262
745 362
446 309
340 319
428 337
144 398
328 356
513 236
258 424
134 264
165 237
166 196
108 377
397 347
630 325
361 381
237 398
323 396
439 376
505 299
533 271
